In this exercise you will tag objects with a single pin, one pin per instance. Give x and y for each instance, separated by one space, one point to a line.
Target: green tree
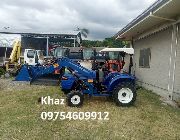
107 42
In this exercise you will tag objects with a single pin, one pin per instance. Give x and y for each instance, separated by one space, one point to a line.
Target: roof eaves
38 33
147 12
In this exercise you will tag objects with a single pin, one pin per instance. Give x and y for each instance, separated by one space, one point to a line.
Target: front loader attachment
30 73
23 74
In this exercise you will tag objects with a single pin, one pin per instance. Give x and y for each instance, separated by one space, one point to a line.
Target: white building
155 37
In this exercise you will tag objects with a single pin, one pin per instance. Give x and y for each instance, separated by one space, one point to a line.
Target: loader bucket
23 74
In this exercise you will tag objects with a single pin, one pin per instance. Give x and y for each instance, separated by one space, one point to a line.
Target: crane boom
15 54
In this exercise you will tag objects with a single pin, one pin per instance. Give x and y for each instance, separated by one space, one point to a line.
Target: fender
68 83
118 79
109 77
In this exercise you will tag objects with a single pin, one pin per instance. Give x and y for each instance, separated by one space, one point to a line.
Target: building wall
177 71
155 78
33 43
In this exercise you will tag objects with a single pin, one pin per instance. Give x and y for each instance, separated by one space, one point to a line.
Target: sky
103 18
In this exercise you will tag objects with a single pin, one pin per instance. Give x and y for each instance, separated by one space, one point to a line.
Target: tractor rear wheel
75 99
124 94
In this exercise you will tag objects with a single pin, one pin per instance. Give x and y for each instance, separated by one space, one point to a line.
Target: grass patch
147 119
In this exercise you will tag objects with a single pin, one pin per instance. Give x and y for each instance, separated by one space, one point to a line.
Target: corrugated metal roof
23 32
145 19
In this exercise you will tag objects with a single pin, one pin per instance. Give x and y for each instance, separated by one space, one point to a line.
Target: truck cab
33 57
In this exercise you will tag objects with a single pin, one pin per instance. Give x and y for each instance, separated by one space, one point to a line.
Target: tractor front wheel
75 99
124 94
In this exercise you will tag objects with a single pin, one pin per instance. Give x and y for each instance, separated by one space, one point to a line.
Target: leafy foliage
107 42
2 71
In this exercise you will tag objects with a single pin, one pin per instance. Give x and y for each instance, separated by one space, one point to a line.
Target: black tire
124 94
66 91
75 99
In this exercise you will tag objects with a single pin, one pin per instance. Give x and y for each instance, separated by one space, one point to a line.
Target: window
75 55
59 52
145 57
30 53
87 53
115 56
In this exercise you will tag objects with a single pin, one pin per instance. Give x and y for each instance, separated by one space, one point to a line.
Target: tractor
107 82
81 81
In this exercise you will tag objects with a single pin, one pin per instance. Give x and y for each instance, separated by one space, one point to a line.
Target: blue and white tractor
80 81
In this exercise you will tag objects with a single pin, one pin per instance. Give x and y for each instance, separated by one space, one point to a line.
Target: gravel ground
9 85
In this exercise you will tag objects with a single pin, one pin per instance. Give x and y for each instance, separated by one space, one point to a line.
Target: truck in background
12 63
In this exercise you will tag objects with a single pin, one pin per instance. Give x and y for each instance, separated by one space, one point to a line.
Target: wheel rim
125 95
75 99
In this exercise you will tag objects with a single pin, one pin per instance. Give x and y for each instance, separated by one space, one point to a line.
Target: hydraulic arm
29 73
15 54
